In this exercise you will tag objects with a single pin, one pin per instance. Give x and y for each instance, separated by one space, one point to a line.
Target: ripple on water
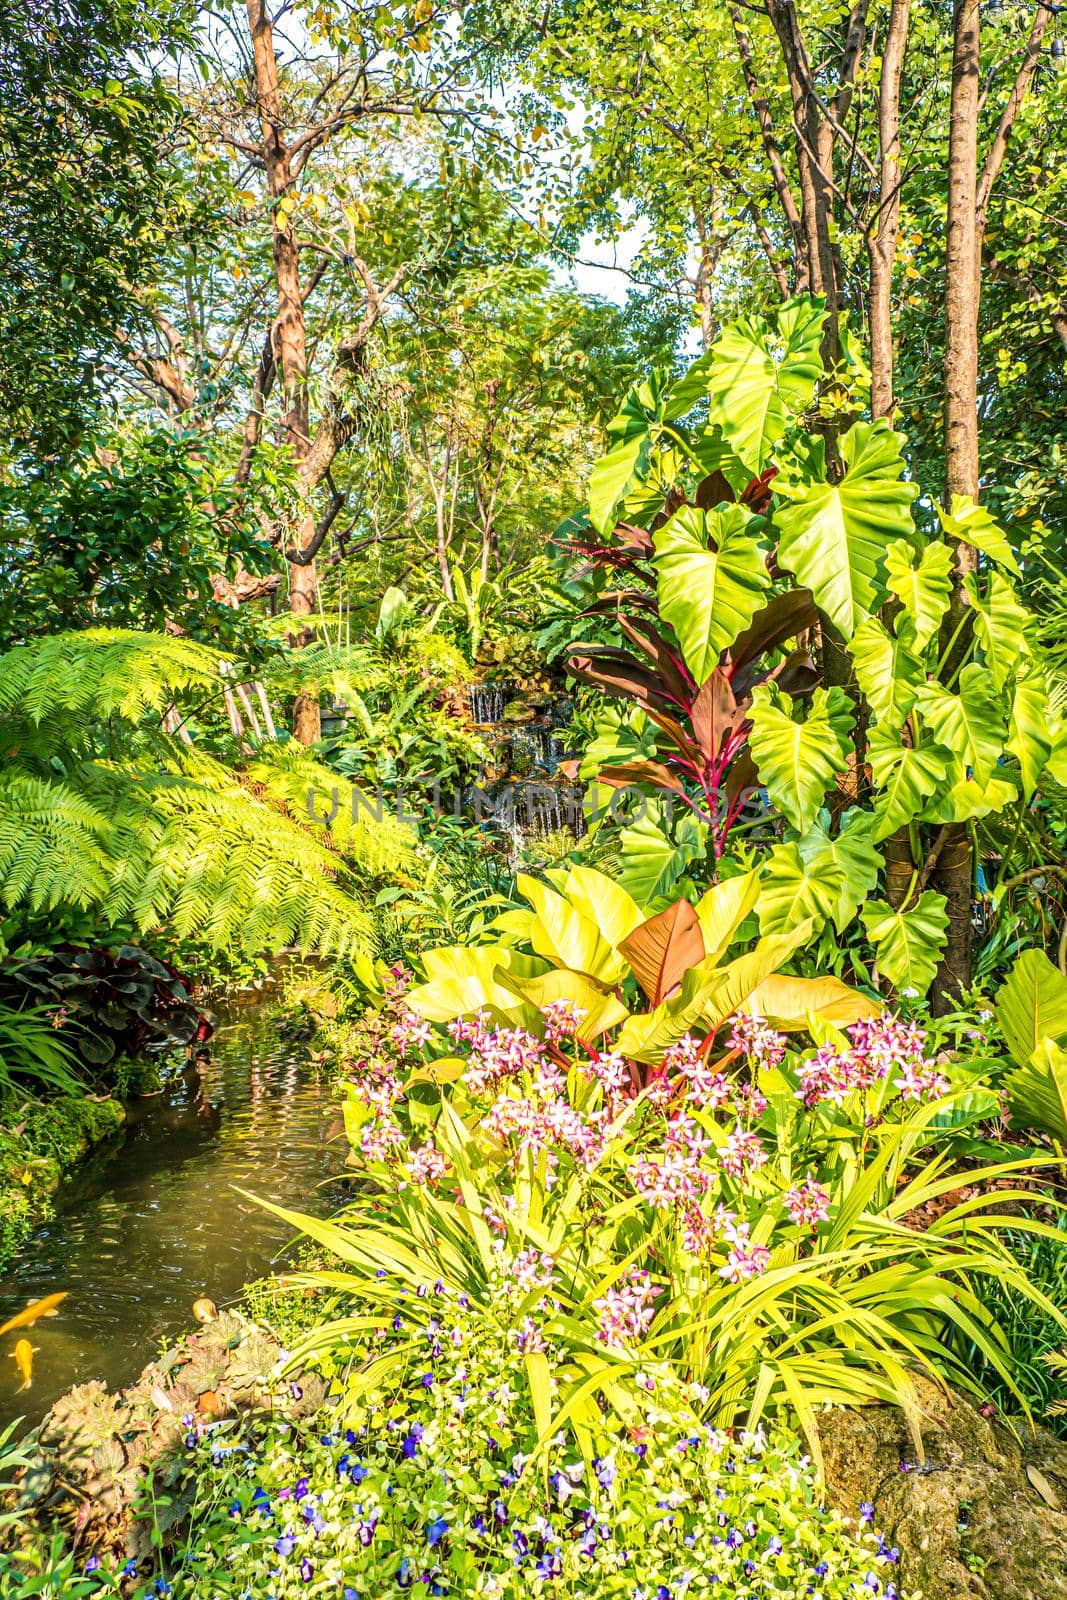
147 1229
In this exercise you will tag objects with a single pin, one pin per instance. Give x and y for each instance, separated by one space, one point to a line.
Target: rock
983 1517
89 1458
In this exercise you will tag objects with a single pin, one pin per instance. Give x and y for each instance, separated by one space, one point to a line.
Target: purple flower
774 1545
300 1488
403 1574
436 1531
307 1571
866 1511
427 1380
285 1545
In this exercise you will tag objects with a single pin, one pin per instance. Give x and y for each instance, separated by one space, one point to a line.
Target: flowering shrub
776 1223
432 1489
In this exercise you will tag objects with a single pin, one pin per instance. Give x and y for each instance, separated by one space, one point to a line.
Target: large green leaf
975 526
886 671
798 761
833 536
908 944
853 851
961 799
757 382
612 478
971 723
712 576
922 590
794 887
1031 1005
906 777
1000 624
652 862
1037 1093
1029 736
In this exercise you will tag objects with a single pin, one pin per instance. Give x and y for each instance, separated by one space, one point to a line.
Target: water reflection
146 1230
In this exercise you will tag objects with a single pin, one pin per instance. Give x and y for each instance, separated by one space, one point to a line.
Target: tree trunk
882 240
953 874
289 332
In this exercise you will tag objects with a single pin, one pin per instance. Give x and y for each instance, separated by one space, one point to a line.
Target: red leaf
662 949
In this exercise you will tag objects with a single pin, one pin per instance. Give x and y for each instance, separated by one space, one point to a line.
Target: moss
38 1145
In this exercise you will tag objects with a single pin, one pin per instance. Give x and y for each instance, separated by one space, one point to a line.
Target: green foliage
725 1227
86 110
127 532
871 707
468 1508
1032 1336
103 811
32 1056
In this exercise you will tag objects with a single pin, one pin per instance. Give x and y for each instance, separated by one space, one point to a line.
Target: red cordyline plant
703 727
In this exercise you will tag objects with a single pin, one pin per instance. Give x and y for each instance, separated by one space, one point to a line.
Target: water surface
155 1223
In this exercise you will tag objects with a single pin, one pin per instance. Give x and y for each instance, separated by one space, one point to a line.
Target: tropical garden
533 888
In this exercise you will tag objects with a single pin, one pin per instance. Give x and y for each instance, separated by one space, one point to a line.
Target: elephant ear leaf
1031 1005
712 576
908 943
798 761
661 950
922 590
887 672
757 382
971 723
975 526
1029 738
833 536
907 776
1000 624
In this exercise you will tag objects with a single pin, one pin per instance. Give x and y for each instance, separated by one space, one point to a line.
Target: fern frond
102 672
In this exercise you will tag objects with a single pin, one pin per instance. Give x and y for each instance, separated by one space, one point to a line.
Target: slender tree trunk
953 874
289 332
882 249
882 239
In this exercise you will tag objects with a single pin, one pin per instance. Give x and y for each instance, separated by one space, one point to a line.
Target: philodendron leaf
999 622
794 887
1029 738
756 382
712 575
853 851
922 590
975 526
908 944
906 778
613 476
1031 1005
971 723
964 800
652 862
887 672
798 761
833 536
789 1003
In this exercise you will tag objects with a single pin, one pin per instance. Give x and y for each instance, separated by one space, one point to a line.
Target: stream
153 1222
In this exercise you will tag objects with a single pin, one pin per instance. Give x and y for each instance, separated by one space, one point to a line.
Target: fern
161 836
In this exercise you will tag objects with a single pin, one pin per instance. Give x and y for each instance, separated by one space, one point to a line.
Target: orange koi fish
22 1355
45 1307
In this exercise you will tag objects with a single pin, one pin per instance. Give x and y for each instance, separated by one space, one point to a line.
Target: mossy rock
36 1153
983 1517
94 1450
